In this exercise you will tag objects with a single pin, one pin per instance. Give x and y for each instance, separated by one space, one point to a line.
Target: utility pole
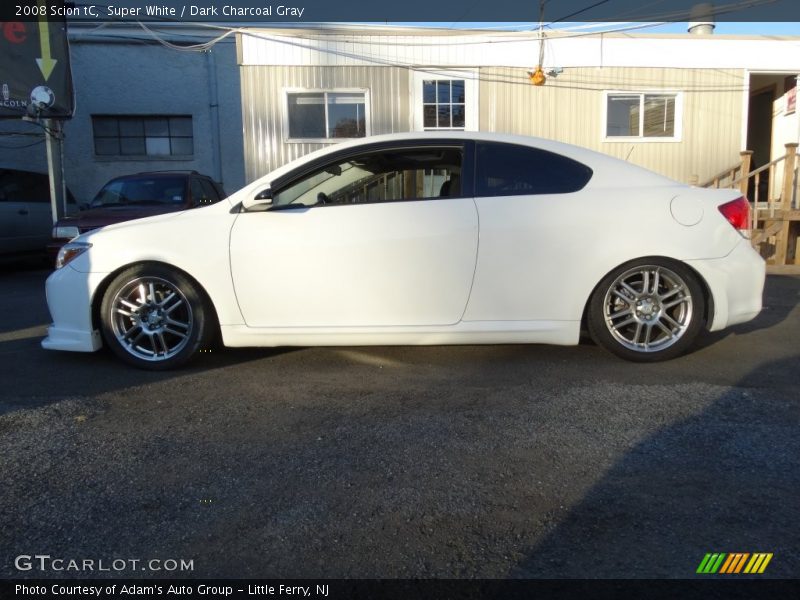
54 137
37 84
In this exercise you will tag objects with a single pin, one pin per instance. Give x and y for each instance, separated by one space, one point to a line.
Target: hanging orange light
537 76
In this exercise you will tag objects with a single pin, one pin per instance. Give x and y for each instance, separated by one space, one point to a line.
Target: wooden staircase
775 210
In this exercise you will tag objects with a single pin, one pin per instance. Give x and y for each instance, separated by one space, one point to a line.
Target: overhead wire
22 146
301 40
378 60
652 21
579 12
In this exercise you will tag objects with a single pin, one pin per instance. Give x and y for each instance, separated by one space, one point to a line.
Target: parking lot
470 461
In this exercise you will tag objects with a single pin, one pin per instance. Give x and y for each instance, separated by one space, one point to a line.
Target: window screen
326 115
640 115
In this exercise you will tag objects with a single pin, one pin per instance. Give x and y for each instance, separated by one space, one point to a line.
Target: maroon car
137 196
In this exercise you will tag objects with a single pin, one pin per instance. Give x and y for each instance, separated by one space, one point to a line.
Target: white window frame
471 107
325 140
677 134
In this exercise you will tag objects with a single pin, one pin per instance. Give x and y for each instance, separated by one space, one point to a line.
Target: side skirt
562 333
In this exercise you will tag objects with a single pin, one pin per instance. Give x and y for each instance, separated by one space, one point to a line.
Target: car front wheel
647 310
154 317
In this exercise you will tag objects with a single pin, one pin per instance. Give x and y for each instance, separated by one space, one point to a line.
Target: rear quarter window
210 191
514 170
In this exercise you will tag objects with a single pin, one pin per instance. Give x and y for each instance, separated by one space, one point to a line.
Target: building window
327 115
444 104
143 136
642 115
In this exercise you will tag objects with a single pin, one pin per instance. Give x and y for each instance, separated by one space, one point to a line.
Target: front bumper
69 299
72 340
736 283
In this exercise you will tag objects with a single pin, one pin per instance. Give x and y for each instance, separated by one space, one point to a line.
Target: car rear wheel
154 317
647 310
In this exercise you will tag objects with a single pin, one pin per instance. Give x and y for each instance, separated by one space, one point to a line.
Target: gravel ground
459 462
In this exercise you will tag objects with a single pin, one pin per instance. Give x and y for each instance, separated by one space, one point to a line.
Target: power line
22 146
675 16
578 12
378 60
19 133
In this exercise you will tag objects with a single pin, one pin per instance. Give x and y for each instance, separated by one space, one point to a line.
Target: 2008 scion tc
441 238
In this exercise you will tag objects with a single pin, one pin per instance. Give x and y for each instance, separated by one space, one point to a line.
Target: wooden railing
725 179
739 176
779 214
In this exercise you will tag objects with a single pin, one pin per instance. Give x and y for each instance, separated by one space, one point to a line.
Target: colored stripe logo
734 563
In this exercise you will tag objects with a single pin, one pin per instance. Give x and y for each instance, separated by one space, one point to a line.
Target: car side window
515 170
220 191
40 189
198 193
209 192
380 176
22 186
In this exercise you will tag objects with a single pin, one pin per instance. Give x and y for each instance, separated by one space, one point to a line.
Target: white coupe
446 238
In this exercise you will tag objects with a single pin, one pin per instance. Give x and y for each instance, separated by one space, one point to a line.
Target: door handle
22 211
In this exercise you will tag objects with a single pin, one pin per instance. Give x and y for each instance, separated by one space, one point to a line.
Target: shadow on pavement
715 482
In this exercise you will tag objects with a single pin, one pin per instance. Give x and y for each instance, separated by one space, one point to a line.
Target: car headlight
69 252
65 232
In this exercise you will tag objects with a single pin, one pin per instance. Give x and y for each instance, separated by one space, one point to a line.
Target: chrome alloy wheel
648 308
151 318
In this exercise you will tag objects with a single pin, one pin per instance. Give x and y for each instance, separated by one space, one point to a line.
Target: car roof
607 169
163 174
25 171
156 175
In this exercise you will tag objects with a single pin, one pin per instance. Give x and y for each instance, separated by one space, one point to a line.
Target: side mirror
261 199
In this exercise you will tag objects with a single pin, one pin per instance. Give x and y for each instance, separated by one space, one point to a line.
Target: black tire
155 318
647 310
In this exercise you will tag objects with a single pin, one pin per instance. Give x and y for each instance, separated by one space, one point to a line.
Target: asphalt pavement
459 462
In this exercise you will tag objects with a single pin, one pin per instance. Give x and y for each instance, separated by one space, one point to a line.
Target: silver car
25 215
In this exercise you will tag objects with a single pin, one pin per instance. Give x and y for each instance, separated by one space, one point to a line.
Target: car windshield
141 191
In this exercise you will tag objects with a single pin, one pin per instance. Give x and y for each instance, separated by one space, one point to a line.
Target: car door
40 212
377 238
15 208
531 214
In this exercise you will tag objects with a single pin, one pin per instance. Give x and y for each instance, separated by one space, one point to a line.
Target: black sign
35 77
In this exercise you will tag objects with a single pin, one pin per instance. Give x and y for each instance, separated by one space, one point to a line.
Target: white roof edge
597 161
268 47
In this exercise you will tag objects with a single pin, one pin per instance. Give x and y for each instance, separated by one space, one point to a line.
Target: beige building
682 105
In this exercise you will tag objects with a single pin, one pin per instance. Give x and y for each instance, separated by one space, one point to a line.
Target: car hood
109 215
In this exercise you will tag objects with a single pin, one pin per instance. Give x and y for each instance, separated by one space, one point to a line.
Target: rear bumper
736 283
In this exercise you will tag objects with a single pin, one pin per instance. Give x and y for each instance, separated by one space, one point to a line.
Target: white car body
508 269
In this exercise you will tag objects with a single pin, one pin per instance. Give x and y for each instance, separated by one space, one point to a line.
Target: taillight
738 213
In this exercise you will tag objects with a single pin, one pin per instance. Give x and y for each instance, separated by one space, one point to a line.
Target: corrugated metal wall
570 108
264 105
